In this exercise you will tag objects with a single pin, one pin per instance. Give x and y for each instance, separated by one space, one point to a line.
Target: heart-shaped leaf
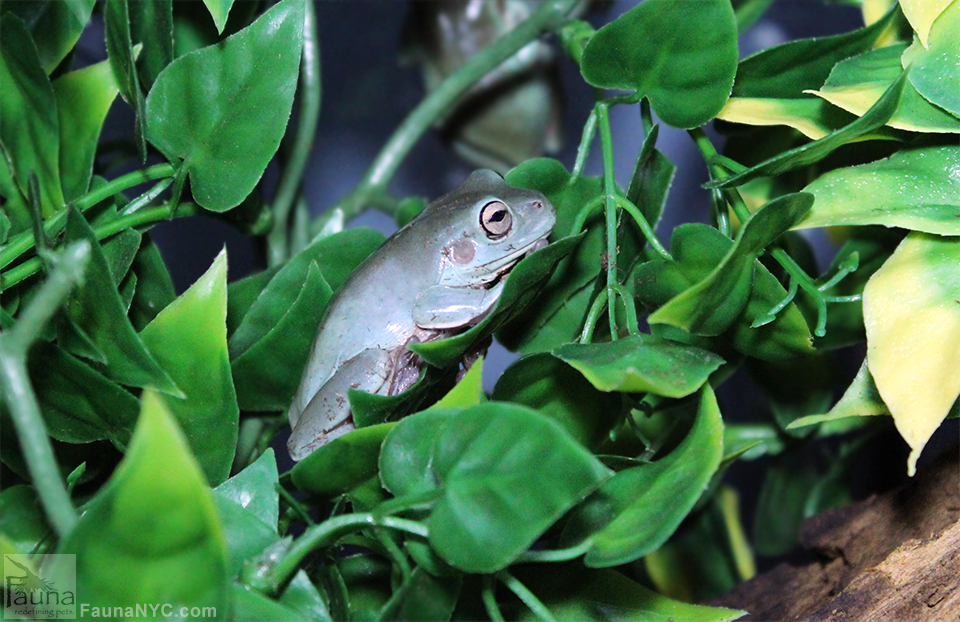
684 61
246 85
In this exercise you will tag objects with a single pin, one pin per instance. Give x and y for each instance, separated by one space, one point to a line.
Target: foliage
602 445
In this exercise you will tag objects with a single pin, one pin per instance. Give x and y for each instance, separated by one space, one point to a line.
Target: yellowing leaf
922 13
802 115
911 310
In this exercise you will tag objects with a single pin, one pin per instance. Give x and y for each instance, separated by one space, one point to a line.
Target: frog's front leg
443 307
327 415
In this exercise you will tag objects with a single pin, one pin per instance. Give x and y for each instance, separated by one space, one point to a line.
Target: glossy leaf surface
246 85
683 61
96 310
710 306
29 133
912 318
116 14
83 98
342 464
642 363
559 391
504 474
55 25
189 338
152 535
857 83
934 68
636 510
874 193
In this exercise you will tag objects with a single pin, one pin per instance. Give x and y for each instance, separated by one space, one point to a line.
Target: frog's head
492 227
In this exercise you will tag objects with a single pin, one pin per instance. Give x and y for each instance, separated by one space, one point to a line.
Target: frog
436 277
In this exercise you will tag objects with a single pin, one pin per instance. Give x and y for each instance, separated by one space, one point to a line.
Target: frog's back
371 310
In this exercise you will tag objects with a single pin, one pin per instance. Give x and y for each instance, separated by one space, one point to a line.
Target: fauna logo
32 593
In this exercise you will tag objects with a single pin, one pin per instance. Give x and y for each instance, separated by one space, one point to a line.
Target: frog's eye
495 219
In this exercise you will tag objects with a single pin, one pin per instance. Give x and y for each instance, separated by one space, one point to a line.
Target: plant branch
19 395
549 15
326 534
277 240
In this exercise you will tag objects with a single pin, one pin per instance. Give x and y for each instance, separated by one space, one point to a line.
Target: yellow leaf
911 310
922 13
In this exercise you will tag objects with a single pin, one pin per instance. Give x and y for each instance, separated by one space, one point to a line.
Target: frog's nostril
538 204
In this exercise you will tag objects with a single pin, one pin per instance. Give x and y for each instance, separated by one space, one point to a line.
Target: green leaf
684 61
700 561
468 391
934 69
246 84
786 70
243 293
407 452
255 489
83 99
523 284
711 306
189 338
857 83
697 250
29 130
342 464
268 372
97 311
151 23
636 510
219 11
79 404
248 505
154 286
504 472
300 602
876 117
123 64
22 522
556 390
572 592
423 597
120 251
642 363
151 535
55 25
336 257
561 307
875 193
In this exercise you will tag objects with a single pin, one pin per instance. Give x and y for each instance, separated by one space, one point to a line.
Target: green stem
610 213
489 595
277 240
645 227
524 594
557 555
141 218
592 316
326 534
550 15
24 241
19 396
589 129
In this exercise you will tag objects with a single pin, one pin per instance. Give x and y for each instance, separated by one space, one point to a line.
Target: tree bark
894 556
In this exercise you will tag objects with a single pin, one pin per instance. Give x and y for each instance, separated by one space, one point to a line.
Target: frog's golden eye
495 219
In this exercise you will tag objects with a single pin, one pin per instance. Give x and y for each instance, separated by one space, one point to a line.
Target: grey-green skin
435 277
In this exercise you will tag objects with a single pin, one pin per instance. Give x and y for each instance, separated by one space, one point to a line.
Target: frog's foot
327 415
472 355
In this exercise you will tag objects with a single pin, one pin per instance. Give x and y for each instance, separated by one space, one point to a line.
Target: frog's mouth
500 267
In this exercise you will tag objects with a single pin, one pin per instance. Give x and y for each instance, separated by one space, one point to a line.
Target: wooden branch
893 557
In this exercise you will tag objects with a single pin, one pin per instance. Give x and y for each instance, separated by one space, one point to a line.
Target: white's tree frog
434 278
